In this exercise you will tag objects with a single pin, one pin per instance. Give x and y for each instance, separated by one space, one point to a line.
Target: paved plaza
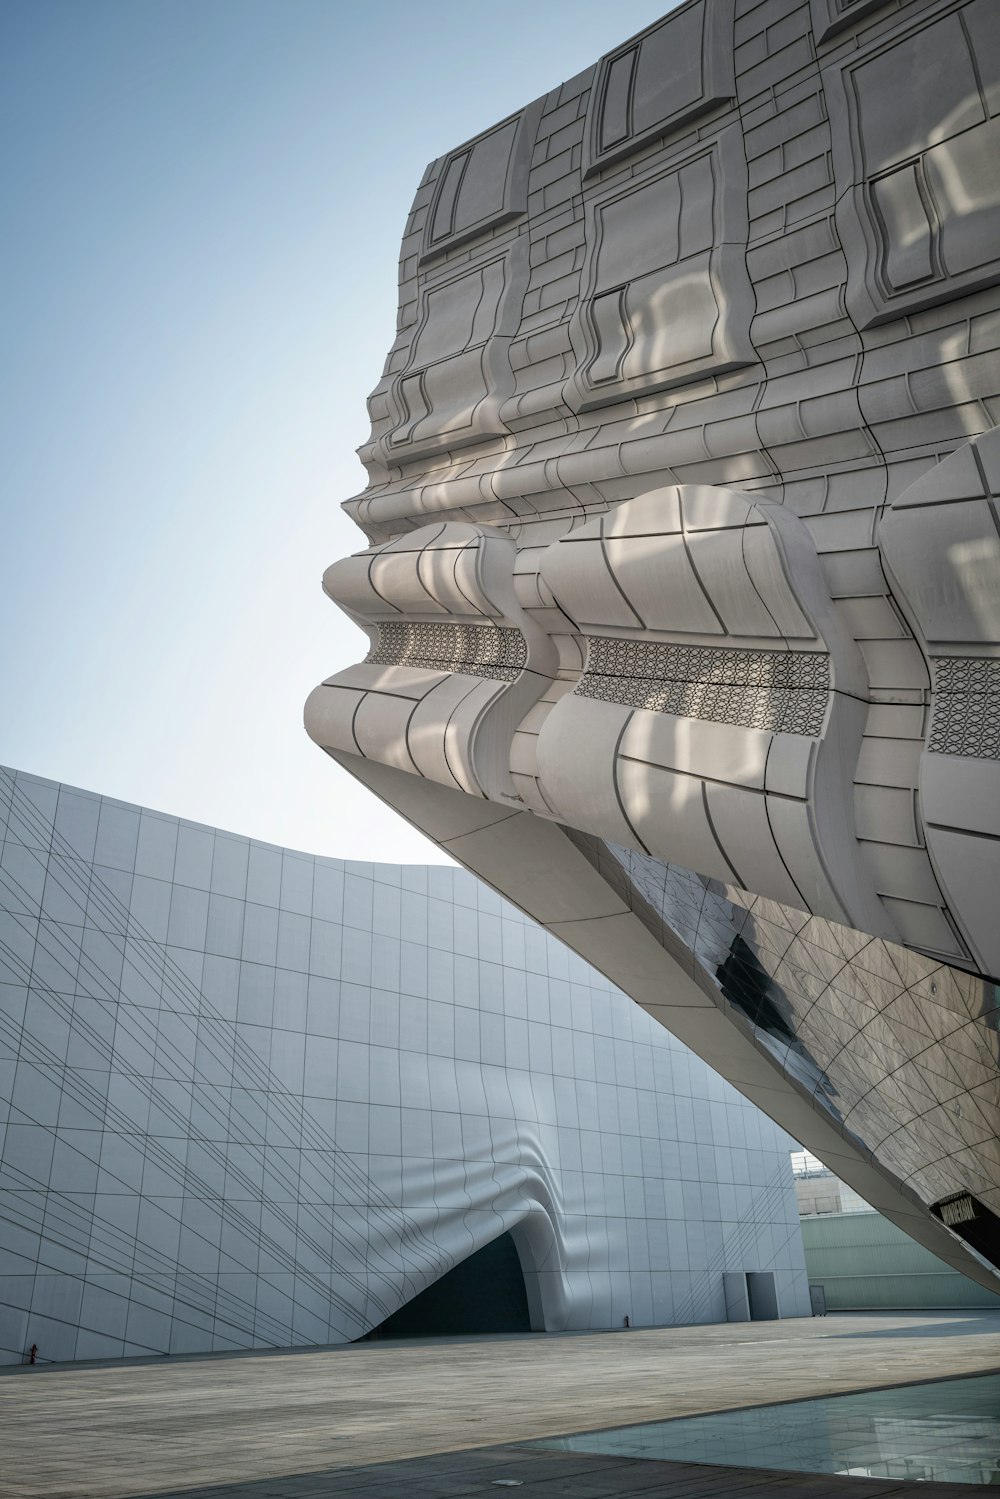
446 1418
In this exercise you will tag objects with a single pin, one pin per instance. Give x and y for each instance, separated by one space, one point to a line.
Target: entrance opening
762 1295
751 1296
483 1294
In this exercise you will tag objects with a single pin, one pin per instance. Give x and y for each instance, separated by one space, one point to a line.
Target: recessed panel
919 199
660 81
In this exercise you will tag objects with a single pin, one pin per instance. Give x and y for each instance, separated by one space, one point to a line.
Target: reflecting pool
947 1431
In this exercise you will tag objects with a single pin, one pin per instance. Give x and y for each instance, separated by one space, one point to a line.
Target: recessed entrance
751 1296
483 1294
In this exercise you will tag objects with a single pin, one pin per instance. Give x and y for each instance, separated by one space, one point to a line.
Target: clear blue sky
202 204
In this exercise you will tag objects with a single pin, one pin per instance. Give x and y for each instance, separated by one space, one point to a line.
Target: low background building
819 1192
864 1262
249 1098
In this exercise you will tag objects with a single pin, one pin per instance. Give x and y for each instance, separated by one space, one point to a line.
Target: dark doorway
762 1295
485 1293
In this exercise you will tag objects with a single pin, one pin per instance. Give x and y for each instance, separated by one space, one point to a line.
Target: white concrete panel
668 813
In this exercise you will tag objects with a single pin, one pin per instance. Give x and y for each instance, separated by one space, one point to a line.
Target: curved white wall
249 1097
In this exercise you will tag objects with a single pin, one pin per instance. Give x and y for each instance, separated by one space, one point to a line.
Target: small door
763 1296
734 1284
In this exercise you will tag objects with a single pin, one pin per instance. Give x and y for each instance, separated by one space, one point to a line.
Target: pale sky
203 201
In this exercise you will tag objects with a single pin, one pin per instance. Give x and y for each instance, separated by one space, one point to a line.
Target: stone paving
440 1418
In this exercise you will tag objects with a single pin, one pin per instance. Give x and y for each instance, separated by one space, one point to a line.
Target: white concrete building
681 560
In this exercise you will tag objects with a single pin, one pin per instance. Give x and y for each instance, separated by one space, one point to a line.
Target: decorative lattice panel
495 651
778 690
966 707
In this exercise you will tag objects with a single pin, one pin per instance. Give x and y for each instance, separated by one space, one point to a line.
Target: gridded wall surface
253 1098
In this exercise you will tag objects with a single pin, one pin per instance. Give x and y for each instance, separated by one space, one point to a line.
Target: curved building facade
683 575
254 1098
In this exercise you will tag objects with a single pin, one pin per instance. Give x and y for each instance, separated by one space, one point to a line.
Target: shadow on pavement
961 1326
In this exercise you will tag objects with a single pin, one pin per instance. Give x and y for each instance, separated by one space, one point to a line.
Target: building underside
683 575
